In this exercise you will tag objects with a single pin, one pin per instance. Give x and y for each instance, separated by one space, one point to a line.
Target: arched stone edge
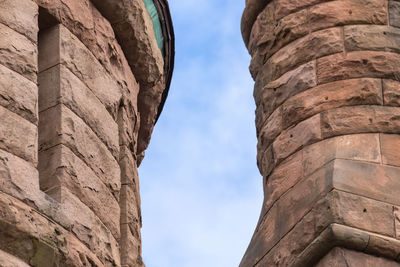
134 30
250 13
337 235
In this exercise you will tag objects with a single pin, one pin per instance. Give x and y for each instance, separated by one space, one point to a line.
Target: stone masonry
327 90
81 87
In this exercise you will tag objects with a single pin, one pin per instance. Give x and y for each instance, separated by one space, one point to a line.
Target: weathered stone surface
286 213
357 65
396 214
8 260
345 257
286 30
18 136
131 248
360 147
252 10
21 16
273 127
303 50
286 7
87 227
344 12
265 161
390 146
58 85
18 53
285 176
357 177
18 94
59 166
360 119
59 125
394 13
372 37
65 48
391 93
270 94
329 96
27 226
291 140
361 212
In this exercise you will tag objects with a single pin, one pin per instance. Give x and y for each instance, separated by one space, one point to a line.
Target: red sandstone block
273 127
59 125
18 53
285 175
285 31
20 16
344 12
358 64
372 37
394 13
331 95
303 50
336 207
271 94
130 211
298 201
390 145
360 212
360 119
344 257
18 136
131 248
371 180
265 160
361 147
286 7
391 93
293 139
59 166
18 94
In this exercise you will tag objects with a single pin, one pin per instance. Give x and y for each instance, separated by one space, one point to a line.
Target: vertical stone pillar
327 92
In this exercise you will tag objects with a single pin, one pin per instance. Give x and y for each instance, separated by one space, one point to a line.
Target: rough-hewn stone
59 85
368 64
18 136
327 99
18 94
394 13
20 16
18 53
59 125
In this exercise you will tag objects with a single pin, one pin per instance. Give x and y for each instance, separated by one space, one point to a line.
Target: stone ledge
351 238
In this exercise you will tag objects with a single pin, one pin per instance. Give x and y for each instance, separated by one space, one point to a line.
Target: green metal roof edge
155 17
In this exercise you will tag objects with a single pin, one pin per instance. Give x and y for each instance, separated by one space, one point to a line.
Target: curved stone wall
326 88
73 74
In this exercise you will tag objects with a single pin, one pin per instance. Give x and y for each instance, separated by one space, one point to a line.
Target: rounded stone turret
82 84
327 90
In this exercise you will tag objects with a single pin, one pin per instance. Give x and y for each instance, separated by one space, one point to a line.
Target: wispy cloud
201 190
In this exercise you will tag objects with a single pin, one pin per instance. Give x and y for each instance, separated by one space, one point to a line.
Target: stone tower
82 83
327 92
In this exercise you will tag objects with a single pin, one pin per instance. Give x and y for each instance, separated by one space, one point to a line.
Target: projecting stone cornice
253 8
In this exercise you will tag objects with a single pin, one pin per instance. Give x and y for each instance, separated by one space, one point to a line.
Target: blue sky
200 187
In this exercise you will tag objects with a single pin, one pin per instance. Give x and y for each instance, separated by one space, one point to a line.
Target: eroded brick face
327 83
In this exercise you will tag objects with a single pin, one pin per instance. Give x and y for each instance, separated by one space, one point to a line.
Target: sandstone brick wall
69 135
327 90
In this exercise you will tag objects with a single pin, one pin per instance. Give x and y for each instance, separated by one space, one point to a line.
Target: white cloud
201 190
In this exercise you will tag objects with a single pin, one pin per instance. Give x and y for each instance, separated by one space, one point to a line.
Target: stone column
327 92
